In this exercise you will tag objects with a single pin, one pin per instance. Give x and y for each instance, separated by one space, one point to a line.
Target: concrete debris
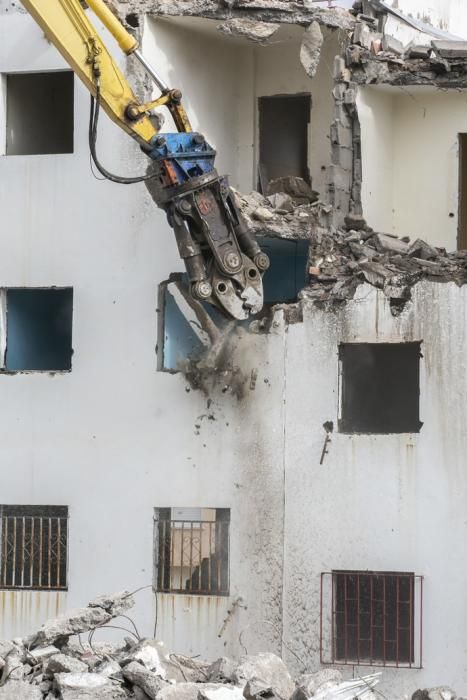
20 690
375 58
281 213
222 670
281 202
341 260
450 49
87 686
296 187
350 690
144 669
222 693
310 50
263 214
62 663
259 32
99 612
269 670
441 693
147 680
255 690
312 683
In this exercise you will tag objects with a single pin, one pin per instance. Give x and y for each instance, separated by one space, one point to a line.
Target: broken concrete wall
411 161
404 490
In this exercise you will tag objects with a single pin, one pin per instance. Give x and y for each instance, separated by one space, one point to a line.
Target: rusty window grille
371 619
34 547
192 554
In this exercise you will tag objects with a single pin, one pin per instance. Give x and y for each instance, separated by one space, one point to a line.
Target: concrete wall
388 503
411 160
376 114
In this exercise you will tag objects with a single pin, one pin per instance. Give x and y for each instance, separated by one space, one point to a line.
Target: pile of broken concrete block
289 209
59 663
341 260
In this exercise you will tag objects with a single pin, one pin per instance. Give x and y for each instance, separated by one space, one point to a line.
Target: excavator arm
224 263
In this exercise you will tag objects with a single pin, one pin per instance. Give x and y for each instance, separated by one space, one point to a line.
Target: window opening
380 387
192 550
38 329
283 137
181 334
371 618
287 274
34 547
39 113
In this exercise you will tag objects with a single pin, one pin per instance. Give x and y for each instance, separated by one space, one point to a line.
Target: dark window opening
380 388
39 113
462 232
39 329
192 550
283 137
287 274
34 547
374 617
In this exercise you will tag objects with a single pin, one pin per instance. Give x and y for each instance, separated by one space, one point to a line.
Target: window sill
194 594
34 371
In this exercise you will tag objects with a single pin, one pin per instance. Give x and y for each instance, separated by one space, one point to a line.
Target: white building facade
306 504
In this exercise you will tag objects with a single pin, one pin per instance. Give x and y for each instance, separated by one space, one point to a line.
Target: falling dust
215 369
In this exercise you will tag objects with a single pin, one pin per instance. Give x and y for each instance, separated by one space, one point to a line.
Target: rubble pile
56 663
377 57
341 260
291 209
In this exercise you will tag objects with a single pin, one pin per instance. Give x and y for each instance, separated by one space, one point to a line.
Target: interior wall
376 114
411 161
426 169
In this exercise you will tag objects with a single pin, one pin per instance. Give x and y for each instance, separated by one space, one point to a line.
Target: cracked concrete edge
275 11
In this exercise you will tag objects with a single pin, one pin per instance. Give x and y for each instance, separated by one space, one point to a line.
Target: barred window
192 550
375 618
34 547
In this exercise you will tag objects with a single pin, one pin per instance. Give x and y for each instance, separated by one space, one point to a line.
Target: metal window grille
34 547
371 618
193 555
